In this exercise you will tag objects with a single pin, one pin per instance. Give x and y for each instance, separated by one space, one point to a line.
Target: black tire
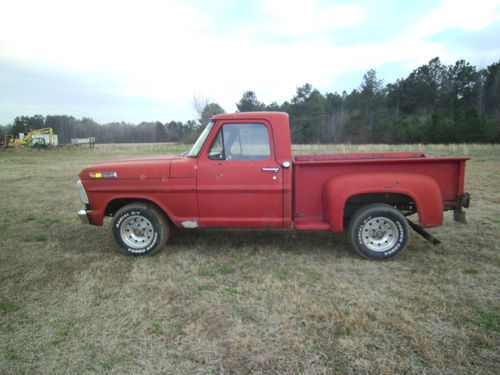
140 229
378 231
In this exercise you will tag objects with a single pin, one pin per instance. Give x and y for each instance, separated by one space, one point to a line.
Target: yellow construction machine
34 138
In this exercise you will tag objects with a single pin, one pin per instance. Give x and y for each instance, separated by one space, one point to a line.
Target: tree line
435 103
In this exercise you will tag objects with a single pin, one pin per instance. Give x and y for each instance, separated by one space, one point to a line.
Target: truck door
239 183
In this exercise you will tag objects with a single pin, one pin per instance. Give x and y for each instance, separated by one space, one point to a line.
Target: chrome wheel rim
380 234
137 232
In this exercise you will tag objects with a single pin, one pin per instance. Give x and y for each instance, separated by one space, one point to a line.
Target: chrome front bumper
82 214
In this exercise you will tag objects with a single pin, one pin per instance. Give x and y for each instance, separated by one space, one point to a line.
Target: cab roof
271 116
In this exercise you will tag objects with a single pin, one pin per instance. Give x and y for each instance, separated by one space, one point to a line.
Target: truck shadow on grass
214 241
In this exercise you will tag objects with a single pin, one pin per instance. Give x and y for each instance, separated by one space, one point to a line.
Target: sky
147 60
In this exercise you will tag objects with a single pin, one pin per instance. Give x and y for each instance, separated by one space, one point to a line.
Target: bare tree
199 104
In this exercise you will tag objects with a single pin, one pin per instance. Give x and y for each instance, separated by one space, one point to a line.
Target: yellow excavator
31 139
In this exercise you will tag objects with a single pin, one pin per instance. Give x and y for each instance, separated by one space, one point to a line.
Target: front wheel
140 229
378 231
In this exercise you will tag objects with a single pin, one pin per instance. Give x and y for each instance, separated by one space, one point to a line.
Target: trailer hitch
425 234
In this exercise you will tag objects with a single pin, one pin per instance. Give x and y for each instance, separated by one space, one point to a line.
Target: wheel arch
402 202
341 191
116 203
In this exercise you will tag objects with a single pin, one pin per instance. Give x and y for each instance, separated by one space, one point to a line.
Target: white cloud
470 15
169 50
301 18
451 14
94 34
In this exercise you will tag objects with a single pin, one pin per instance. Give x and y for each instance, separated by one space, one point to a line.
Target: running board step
429 237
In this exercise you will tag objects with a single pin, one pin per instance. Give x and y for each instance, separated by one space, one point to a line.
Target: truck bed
311 172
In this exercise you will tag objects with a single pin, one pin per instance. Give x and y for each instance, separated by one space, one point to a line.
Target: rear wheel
140 229
378 231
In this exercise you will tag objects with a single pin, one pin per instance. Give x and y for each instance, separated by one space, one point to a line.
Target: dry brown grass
240 301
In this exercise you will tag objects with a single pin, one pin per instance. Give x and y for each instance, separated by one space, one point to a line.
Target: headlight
83 195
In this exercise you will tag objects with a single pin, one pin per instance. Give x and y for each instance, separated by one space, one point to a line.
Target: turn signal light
103 174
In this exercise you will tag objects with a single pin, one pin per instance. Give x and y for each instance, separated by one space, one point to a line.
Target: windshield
195 150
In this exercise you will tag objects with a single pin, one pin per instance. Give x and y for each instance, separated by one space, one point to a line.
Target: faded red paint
310 194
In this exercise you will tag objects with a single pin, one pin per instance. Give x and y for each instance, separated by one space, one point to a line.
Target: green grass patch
218 270
230 291
203 287
225 270
7 328
40 238
7 306
113 362
48 221
205 272
156 327
471 271
12 355
35 238
65 331
488 319
282 274
176 327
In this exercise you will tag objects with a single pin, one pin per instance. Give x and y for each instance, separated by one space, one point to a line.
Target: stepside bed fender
423 190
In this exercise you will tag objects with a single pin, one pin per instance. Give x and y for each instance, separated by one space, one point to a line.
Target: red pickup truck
240 173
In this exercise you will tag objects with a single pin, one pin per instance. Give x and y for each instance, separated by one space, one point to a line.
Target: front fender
423 190
101 203
175 197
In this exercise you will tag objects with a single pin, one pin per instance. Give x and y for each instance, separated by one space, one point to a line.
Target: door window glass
241 142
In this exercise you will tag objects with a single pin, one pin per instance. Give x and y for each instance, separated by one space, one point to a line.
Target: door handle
271 169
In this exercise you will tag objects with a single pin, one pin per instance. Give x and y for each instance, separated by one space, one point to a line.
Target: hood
140 167
139 159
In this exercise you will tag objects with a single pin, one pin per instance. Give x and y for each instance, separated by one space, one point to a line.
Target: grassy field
235 302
